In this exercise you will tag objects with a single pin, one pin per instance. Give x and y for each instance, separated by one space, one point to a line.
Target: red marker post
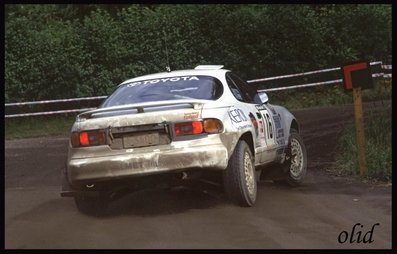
357 76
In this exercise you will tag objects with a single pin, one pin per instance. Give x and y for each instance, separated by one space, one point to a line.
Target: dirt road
313 215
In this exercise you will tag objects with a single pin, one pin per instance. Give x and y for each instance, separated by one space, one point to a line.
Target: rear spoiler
141 106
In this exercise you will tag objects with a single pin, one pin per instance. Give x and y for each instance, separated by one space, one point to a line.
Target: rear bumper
146 161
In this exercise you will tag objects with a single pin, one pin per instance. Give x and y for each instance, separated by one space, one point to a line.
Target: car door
266 118
272 124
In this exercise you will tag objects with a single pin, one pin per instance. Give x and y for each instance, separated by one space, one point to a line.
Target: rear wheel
240 177
295 164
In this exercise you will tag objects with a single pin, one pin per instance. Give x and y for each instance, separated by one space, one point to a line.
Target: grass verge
327 95
38 126
378 133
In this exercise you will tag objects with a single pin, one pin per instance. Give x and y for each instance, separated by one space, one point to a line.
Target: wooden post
360 134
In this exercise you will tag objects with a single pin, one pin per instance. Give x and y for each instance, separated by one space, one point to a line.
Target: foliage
64 50
378 132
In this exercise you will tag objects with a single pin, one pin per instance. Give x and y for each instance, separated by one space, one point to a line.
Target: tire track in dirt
309 216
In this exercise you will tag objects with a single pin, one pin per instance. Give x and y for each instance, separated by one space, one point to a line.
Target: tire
295 164
96 206
239 178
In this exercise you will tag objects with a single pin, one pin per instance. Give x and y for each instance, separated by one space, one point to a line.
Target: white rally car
179 123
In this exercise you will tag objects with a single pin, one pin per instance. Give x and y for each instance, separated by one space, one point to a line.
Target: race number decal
269 125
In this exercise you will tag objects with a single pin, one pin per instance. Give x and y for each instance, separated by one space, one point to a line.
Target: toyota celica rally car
179 122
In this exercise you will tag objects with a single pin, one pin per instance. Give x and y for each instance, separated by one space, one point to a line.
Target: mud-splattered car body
174 122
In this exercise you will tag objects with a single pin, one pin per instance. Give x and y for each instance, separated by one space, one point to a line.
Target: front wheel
240 177
295 164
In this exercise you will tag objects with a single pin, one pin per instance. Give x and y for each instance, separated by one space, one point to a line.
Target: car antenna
168 68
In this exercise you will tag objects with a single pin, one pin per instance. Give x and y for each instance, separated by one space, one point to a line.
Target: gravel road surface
310 216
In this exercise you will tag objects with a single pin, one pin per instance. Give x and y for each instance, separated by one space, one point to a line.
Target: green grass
378 133
327 95
38 126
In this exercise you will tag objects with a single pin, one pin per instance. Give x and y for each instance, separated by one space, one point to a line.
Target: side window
235 90
249 91
241 90
242 87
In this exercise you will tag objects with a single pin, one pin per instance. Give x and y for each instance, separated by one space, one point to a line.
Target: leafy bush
60 51
378 132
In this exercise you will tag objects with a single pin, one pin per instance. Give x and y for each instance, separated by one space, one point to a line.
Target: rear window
172 88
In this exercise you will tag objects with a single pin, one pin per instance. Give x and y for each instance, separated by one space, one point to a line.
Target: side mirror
263 97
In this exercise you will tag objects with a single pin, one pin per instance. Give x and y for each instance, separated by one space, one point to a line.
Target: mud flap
67 189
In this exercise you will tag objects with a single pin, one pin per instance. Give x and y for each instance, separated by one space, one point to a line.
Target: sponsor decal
260 107
246 126
162 80
192 115
254 123
238 119
277 121
279 131
237 115
260 126
280 137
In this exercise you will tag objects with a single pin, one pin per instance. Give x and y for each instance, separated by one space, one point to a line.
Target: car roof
188 72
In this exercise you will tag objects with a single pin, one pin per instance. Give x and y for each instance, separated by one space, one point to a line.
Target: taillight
188 128
88 138
84 140
209 126
213 125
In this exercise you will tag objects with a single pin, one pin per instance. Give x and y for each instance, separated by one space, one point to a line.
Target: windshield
172 88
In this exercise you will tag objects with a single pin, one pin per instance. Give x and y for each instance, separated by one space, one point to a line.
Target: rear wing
141 107
208 67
